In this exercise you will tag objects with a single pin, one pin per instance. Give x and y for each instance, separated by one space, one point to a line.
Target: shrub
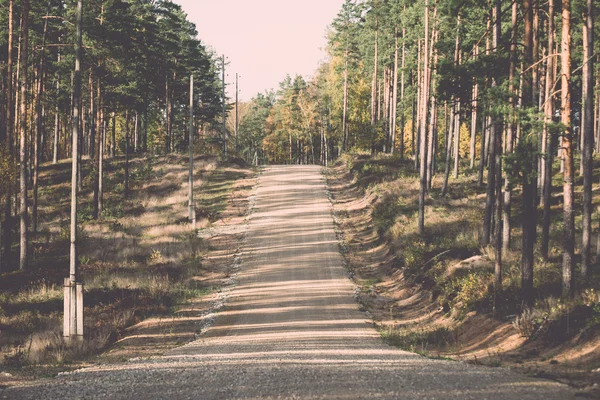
530 322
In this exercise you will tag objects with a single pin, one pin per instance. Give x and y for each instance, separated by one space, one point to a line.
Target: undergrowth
138 260
453 233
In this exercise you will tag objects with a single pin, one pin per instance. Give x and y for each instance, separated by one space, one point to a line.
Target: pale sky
264 39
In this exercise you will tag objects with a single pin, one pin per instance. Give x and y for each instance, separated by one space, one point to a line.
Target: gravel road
291 328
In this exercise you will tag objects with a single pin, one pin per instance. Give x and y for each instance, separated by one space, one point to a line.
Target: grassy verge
141 259
433 293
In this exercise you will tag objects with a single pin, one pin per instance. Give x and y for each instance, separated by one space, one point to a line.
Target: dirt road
291 328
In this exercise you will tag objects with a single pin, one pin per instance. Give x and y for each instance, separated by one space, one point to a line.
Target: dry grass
414 300
141 258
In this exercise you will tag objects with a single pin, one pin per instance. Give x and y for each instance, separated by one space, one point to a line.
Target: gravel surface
291 328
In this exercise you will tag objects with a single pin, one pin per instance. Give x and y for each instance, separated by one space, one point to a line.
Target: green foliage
463 292
520 165
415 339
7 171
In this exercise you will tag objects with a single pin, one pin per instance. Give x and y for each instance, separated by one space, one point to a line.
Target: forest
505 91
134 70
473 126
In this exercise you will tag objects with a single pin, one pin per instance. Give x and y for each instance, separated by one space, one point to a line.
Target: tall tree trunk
498 131
191 204
449 138
24 217
39 116
168 116
433 59
345 106
56 125
567 153
93 120
375 73
547 135
588 141
403 65
529 211
97 155
474 102
413 125
394 106
113 139
457 115
126 183
135 133
423 144
101 144
418 105
484 135
535 70
145 140
485 122
507 202
490 198
6 232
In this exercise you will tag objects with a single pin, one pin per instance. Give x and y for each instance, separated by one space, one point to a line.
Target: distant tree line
500 89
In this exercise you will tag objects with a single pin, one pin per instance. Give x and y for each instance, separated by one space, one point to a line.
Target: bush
417 340
530 322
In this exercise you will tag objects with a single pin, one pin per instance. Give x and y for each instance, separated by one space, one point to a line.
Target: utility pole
236 112
191 205
224 129
73 289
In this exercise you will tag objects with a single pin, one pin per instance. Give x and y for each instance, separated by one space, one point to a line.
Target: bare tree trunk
403 64
39 125
394 106
126 184
375 72
24 217
484 135
6 233
345 107
431 142
135 133
588 140
167 116
418 105
101 144
433 58
96 156
498 162
535 51
597 118
113 140
191 204
423 144
529 182
507 203
567 154
449 138
474 98
547 135
457 115
56 125
93 116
